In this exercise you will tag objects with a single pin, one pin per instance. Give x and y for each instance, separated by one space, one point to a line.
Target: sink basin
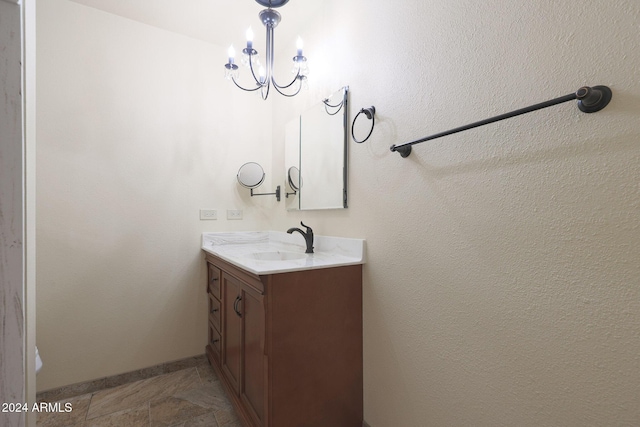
276 256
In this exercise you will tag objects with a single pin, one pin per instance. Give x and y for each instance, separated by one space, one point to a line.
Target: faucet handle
309 229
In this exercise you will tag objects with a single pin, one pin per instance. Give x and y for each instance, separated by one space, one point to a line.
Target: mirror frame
345 124
246 167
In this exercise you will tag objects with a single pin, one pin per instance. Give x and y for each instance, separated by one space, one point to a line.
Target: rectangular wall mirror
316 155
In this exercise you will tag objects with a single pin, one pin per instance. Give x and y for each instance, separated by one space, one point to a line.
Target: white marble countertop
243 249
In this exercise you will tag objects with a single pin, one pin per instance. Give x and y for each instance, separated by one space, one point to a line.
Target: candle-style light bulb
249 38
232 53
261 74
299 46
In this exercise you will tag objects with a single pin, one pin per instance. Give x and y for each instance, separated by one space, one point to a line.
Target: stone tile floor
190 397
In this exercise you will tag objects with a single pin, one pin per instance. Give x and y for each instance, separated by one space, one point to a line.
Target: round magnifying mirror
250 175
294 178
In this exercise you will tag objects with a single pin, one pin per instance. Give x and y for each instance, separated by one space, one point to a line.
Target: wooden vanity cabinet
290 349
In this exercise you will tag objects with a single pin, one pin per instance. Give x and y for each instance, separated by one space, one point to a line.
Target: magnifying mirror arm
277 193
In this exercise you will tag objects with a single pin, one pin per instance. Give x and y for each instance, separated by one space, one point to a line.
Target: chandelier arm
253 74
247 90
287 95
326 102
338 106
297 77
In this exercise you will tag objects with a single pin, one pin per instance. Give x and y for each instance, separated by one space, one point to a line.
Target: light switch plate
234 213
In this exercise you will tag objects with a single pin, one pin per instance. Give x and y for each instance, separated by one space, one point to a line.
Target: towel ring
370 113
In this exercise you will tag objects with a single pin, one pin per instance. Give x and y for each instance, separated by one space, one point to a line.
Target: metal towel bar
590 100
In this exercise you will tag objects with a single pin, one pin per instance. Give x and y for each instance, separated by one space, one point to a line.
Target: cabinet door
231 331
252 390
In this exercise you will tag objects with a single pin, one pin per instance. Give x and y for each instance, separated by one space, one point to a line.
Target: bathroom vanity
285 327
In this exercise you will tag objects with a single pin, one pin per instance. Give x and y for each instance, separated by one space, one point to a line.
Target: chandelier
263 76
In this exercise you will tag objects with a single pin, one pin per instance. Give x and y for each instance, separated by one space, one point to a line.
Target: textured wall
136 133
502 285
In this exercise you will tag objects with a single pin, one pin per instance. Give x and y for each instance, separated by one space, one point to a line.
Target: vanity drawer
214 340
214 312
213 280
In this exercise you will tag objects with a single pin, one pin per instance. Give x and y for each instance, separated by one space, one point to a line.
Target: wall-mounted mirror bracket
277 193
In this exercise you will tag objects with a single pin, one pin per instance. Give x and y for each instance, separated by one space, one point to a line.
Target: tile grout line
200 376
88 407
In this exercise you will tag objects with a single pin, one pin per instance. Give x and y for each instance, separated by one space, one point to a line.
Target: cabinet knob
213 310
213 279
215 341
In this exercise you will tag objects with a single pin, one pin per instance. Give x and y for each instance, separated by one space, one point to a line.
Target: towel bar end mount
593 99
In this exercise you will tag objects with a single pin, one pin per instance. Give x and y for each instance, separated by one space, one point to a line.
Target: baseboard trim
65 392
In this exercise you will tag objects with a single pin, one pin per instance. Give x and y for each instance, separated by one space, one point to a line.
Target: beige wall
502 283
137 132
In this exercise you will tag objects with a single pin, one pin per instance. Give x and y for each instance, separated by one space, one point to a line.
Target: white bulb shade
261 71
249 34
231 52
299 44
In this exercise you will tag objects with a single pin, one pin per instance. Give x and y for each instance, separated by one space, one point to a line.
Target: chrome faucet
308 236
